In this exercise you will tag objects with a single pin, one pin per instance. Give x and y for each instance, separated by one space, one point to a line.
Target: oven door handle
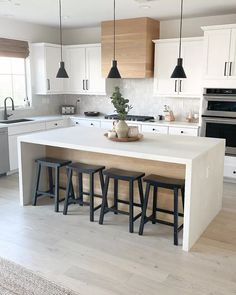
219 120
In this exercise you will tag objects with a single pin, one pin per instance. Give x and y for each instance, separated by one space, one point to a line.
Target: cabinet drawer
55 124
107 125
183 131
87 123
26 128
230 171
155 129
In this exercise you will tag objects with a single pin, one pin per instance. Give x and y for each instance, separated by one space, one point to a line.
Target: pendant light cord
181 27
60 27
114 32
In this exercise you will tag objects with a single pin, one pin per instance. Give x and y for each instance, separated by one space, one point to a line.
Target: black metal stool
81 168
130 176
50 163
156 182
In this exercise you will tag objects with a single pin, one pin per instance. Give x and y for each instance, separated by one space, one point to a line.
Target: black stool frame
153 218
105 209
70 195
54 189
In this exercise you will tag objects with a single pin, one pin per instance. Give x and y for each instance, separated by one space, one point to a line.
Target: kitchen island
198 160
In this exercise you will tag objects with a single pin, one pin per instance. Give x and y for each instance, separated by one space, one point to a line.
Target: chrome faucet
6 116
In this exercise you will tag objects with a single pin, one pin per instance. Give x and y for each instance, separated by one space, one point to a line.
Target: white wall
82 36
192 26
26 31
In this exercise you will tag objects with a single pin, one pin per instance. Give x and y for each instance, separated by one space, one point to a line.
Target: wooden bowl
128 139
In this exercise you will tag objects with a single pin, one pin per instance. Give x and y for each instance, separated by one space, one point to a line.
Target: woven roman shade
14 48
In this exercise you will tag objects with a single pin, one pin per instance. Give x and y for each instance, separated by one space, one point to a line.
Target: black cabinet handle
48 84
180 86
230 68
55 124
92 124
176 85
77 123
87 85
234 172
84 85
225 73
182 132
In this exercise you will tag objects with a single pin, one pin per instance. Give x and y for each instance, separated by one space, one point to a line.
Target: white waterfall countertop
168 148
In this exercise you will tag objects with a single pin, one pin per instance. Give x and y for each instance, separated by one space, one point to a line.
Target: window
13 80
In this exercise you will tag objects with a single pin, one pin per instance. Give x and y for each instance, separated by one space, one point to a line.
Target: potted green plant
122 109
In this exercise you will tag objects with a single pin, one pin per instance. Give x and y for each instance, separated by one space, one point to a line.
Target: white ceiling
83 13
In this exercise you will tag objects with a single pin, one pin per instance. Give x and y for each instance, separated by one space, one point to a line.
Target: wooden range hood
134 46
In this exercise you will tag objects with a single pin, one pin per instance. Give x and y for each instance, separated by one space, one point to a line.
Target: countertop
38 119
167 148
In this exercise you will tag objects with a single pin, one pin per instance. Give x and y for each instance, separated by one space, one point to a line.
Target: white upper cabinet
82 63
45 60
75 61
84 70
220 55
166 54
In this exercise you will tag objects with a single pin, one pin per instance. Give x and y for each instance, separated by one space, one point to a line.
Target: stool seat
164 182
123 174
85 168
52 162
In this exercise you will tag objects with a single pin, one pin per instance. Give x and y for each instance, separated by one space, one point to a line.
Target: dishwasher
4 151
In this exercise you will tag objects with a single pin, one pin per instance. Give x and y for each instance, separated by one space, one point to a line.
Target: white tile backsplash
140 94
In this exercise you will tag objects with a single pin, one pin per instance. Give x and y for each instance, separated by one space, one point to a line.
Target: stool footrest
168 212
114 210
42 193
95 195
128 203
150 218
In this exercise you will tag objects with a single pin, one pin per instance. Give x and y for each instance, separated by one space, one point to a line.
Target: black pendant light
179 72
61 72
114 72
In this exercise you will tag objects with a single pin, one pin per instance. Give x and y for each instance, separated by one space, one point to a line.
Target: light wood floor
106 260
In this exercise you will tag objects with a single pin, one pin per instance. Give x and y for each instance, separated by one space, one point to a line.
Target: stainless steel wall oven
219 116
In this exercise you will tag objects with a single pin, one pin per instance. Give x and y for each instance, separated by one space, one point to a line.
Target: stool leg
50 177
102 182
68 190
104 200
57 189
116 195
81 195
38 171
91 197
131 206
144 209
154 207
183 195
176 191
140 188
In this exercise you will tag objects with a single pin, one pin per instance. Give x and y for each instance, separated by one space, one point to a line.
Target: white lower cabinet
13 133
56 124
86 123
155 129
183 131
230 167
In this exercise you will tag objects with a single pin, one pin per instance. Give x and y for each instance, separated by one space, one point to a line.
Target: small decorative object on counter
111 134
192 118
133 131
122 109
168 113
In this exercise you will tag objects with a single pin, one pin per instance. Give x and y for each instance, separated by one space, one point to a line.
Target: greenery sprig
120 104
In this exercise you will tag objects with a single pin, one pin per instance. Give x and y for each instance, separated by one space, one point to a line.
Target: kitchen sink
15 121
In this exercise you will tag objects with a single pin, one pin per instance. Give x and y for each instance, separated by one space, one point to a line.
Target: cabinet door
193 66
95 84
75 57
232 66
217 46
155 129
52 60
88 123
13 155
165 61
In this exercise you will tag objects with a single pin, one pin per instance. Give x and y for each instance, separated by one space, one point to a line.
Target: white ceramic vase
122 129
